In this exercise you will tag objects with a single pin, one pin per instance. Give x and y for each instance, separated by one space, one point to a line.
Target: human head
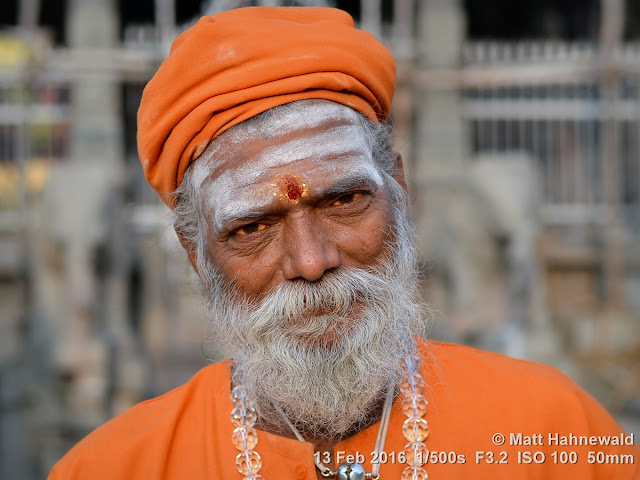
287 137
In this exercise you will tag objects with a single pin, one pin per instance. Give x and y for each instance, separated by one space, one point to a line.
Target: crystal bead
414 473
254 477
241 417
416 453
238 396
248 462
412 383
244 438
415 429
414 405
412 363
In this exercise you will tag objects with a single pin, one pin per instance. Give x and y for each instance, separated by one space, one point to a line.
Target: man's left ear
398 169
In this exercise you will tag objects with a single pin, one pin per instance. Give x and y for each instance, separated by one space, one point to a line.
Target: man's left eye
346 199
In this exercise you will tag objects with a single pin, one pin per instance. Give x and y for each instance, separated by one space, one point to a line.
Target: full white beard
325 371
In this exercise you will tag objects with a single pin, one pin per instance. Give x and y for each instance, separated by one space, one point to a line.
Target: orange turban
234 65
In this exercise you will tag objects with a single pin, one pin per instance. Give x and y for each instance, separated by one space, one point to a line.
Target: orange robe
472 395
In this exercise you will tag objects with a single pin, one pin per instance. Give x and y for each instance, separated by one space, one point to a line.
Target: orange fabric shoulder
474 395
144 441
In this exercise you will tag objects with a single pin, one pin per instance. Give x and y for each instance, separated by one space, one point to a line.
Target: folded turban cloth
234 65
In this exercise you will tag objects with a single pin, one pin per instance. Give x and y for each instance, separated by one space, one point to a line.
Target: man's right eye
250 229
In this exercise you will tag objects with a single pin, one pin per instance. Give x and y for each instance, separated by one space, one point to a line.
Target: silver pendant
350 471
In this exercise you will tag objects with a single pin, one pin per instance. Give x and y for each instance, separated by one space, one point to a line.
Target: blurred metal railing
560 120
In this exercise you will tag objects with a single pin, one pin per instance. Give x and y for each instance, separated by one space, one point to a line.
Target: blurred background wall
519 123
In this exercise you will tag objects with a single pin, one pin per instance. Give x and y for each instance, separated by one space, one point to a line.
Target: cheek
366 243
250 274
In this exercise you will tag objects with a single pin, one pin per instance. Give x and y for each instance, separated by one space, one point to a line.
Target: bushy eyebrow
351 182
224 219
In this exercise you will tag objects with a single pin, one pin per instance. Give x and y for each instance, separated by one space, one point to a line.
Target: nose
308 250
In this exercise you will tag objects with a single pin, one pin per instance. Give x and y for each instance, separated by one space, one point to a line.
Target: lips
351 311
325 323
319 313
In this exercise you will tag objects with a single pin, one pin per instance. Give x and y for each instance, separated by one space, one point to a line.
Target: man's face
309 272
296 203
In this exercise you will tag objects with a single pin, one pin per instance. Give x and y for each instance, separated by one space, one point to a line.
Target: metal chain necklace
414 429
353 470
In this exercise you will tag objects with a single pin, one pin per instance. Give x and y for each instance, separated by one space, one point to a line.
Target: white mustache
303 308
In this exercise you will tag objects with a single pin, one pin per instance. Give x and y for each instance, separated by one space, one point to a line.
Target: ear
398 169
189 247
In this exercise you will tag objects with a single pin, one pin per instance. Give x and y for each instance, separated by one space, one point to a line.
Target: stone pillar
97 136
491 291
82 282
440 197
165 11
441 137
371 14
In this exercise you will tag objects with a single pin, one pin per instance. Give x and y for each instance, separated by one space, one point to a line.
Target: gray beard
325 351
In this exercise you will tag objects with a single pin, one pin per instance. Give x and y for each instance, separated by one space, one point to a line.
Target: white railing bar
547 109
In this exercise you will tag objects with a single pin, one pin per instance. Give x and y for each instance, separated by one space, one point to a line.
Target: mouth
331 307
325 326
321 312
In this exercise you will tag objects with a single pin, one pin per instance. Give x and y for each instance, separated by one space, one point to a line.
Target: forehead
259 144
324 141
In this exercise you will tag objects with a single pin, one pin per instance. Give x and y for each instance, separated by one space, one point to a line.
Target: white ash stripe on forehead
337 141
306 114
309 115
343 141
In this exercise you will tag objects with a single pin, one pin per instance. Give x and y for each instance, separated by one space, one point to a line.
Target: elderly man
265 131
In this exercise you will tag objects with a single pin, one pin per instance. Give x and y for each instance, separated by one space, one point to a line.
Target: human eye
348 198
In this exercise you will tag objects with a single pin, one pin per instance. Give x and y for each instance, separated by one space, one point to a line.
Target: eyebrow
345 184
225 218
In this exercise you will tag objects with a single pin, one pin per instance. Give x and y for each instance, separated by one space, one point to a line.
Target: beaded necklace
414 429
